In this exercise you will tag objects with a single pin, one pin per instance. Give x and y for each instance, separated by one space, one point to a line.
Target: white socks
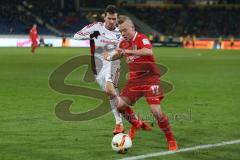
117 115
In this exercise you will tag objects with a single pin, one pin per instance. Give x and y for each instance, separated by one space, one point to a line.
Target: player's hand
120 51
95 34
105 55
124 51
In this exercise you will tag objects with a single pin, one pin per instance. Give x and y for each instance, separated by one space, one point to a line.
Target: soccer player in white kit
105 37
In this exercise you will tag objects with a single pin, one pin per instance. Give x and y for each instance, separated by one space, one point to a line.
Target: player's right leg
111 72
33 49
34 46
113 94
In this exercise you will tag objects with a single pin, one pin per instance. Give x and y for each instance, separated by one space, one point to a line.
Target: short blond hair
122 19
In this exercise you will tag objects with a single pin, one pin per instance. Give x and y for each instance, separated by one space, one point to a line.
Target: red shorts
147 87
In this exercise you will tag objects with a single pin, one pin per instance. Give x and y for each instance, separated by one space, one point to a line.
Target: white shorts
108 72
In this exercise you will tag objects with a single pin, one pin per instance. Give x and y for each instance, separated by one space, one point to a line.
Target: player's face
110 21
127 30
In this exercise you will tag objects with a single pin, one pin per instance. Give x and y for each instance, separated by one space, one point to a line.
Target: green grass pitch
203 107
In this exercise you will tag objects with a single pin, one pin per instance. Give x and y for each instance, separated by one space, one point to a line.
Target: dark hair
112 9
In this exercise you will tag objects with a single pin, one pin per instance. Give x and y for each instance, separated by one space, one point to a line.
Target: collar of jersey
108 29
134 37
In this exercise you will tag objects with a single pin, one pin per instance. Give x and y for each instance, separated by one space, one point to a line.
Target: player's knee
110 92
155 110
121 106
153 100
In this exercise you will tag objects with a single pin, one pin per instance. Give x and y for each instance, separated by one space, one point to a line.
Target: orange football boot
118 129
172 145
133 130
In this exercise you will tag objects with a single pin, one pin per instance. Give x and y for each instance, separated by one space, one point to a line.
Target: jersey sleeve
84 34
144 42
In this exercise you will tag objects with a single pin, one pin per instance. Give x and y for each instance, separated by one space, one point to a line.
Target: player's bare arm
117 55
139 52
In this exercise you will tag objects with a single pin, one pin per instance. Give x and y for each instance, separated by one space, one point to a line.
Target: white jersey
106 41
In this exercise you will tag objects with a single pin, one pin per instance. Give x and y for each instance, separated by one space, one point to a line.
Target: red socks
165 127
130 117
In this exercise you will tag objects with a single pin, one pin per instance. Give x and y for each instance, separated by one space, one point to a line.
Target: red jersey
141 66
33 34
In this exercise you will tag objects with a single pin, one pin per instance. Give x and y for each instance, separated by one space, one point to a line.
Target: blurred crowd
208 22
168 21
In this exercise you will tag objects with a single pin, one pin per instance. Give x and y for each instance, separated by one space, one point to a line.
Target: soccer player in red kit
143 80
34 37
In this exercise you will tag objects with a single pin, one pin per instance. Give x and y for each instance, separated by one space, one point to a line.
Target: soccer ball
121 143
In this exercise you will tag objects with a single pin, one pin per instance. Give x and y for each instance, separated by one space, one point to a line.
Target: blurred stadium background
197 41
189 23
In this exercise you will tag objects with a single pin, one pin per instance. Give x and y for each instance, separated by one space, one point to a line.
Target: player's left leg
127 99
162 121
154 96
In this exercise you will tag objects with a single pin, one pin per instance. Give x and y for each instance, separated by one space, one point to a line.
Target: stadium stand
204 22
170 20
17 18
66 20
14 20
